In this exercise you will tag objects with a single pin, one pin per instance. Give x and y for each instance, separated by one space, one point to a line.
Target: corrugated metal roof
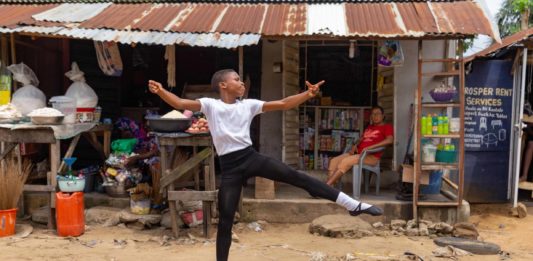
117 16
362 20
326 19
71 12
284 19
162 38
11 15
506 42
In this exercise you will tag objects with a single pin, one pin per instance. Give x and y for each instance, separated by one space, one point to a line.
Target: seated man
377 134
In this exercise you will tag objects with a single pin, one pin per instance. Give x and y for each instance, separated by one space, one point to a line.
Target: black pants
240 165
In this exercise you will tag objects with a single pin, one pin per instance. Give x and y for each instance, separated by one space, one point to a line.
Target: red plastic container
69 214
8 218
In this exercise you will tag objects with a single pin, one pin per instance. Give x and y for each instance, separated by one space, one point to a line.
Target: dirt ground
275 242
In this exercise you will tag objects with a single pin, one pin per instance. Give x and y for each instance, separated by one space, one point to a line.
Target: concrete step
293 205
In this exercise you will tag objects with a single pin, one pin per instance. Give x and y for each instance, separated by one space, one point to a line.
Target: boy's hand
313 89
155 87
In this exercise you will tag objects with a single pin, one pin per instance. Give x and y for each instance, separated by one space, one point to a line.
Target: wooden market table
169 176
10 138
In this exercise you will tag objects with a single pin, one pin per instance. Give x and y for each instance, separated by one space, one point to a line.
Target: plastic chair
359 168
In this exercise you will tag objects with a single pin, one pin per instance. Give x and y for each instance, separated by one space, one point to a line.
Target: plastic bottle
429 125
445 125
435 124
423 124
439 124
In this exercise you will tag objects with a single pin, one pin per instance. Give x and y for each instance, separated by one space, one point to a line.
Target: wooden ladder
453 68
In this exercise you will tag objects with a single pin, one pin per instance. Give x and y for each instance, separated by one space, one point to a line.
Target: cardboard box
408 175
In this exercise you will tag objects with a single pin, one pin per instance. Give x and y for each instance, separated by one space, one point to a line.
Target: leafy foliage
508 18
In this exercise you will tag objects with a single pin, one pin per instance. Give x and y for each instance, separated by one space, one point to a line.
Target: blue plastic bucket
435 182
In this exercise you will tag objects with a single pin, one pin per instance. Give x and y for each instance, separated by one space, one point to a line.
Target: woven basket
442 96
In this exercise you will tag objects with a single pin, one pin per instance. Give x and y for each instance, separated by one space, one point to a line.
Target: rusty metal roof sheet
117 16
347 20
276 16
506 42
11 15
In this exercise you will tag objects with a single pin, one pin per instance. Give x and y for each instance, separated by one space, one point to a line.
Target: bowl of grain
173 121
46 116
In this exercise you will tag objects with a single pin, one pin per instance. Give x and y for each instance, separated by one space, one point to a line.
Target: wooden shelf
439 105
439 166
438 203
442 74
451 136
448 60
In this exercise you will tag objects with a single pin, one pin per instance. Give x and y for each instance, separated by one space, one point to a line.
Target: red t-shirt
375 134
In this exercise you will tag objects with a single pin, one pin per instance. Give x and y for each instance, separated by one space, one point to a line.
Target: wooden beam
181 170
70 151
192 195
450 183
7 149
39 188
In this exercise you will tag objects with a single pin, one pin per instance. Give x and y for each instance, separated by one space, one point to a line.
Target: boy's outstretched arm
293 100
172 99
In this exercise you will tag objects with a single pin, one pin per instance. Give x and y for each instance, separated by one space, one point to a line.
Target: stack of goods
435 124
117 178
339 119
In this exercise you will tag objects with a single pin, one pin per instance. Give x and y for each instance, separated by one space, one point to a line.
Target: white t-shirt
229 124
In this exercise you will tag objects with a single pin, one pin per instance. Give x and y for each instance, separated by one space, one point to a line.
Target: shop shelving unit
316 115
452 68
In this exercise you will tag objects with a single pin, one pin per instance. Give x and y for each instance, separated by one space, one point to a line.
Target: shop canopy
229 24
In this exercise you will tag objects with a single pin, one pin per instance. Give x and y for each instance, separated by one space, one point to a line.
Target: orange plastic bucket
8 219
69 214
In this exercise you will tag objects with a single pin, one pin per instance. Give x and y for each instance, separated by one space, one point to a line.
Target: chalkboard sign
488 106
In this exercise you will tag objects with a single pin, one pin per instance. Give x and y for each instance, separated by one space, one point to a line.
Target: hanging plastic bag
390 54
29 97
79 90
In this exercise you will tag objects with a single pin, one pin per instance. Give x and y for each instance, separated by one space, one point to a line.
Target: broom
12 179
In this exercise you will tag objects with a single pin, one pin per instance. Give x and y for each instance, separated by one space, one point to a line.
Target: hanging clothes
108 56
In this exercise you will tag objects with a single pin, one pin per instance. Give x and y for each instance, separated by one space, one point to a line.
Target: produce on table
199 126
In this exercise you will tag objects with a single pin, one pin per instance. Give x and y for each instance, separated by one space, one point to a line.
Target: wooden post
55 157
171 204
4 52
462 124
65 58
13 53
417 166
241 62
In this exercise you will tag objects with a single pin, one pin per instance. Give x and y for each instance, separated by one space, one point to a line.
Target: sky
481 42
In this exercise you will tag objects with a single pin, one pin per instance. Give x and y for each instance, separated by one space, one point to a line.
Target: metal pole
521 115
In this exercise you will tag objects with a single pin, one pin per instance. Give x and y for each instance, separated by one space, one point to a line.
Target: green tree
510 15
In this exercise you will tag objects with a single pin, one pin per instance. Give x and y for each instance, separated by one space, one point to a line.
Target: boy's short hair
378 107
218 77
